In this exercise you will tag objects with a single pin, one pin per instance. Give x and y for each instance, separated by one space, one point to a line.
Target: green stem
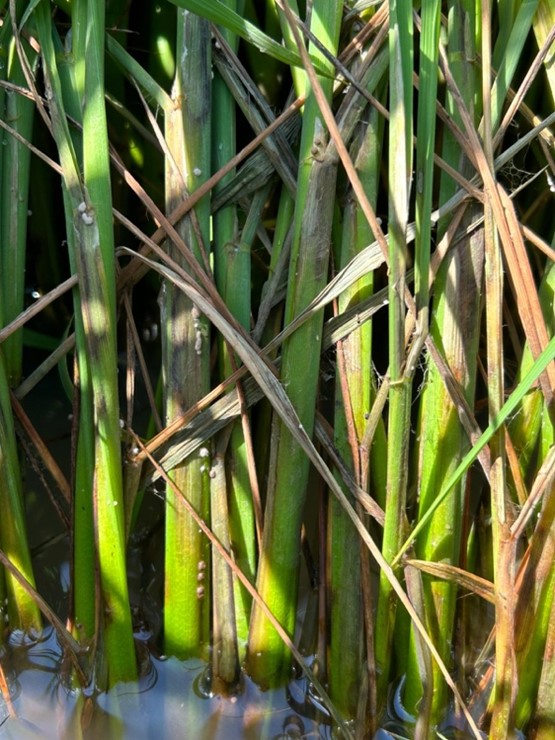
91 224
279 561
400 167
232 257
185 345
353 403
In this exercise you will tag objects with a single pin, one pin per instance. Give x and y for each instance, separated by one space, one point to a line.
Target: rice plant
290 267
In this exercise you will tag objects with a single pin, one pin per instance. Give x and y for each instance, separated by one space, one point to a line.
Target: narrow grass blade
217 12
544 20
138 74
507 55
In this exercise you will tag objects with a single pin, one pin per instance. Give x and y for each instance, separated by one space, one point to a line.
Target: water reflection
172 699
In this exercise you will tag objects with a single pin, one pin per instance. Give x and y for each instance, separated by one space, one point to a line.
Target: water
170 701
